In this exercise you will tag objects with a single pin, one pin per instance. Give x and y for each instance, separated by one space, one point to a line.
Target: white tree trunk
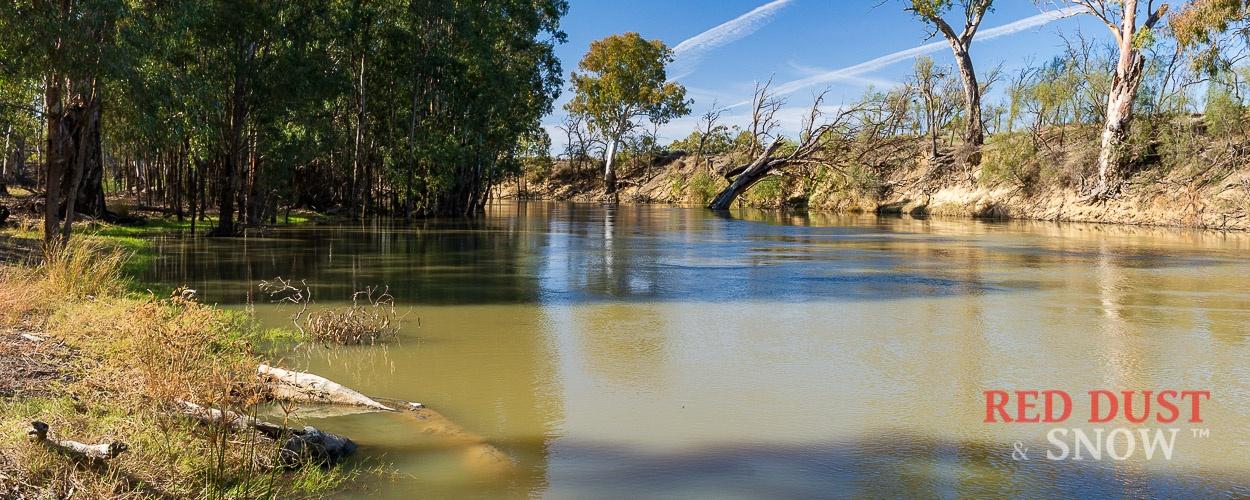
609 167
1113 155
299 386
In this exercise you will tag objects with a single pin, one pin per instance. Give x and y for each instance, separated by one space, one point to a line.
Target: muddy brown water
651 351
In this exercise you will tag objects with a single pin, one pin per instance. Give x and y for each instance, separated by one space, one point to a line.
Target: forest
243 108
281 249
230 113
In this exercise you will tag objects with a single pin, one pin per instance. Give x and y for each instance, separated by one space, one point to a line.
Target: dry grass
370 319
136 355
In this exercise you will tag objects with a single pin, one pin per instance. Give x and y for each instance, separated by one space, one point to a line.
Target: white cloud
690 51
854 71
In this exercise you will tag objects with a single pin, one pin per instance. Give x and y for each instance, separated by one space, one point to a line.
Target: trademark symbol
1201 433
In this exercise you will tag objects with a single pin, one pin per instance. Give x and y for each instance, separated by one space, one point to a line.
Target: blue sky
791 40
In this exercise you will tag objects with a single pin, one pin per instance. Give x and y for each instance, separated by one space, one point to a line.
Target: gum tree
622 81
1121 17
932 12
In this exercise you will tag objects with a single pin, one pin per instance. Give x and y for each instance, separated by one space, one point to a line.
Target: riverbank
1206 190
99 363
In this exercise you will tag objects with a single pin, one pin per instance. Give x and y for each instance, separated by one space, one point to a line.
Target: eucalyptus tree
932 12
70 46
623 80
1121 17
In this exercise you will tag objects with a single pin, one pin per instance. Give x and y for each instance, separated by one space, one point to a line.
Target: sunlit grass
136 354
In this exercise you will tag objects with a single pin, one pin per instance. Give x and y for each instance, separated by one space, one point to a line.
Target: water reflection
662 351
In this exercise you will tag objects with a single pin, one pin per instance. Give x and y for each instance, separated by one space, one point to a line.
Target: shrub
702 187
1010 158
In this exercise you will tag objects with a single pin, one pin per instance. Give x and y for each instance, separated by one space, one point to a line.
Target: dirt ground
32 365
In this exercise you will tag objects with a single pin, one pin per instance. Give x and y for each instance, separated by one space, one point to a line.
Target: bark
306 387
39 433
299 445
52 190
4 161
1113 155
745 176
609 167
974 134
82 187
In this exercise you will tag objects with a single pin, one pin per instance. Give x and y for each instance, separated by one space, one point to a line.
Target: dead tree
707 127
298 445
764 107
743 177
309 388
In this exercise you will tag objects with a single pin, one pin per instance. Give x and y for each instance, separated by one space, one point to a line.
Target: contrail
690 51
888 59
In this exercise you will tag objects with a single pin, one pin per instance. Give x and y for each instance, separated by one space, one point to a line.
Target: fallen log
79 451
305 387
299 446
476 452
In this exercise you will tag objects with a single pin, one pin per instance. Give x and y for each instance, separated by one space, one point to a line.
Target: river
644 351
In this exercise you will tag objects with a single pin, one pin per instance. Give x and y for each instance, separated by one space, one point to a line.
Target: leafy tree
623 80
932 12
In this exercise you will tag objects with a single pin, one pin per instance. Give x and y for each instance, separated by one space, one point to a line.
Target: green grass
134 355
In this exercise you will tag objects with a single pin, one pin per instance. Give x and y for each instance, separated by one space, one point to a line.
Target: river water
652 351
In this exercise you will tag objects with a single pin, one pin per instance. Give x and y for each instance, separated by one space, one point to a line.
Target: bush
1010 158
702 187
768 192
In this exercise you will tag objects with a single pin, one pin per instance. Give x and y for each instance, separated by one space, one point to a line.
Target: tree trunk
229 184
52 180
746 177
4 161
1113 157
974 135
609 168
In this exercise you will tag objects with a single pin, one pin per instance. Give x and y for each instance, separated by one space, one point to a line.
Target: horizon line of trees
1156 66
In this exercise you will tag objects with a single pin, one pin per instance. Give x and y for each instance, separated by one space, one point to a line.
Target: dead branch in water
477 453
370 319
283 290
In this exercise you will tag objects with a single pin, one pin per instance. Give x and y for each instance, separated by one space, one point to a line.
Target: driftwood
476 453
299 446
306 387
79 451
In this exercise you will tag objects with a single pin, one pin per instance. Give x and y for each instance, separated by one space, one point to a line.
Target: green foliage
623 79
1224 112
702 188
719 141
1010 158
768 192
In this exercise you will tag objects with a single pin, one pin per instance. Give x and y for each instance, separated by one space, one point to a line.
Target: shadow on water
894 466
